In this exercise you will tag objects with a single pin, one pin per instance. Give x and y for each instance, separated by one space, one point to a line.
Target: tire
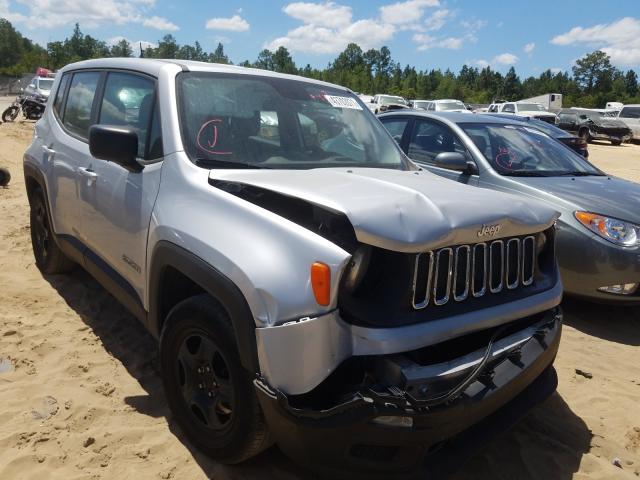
49 258
616 142
10 114
5 177
210 394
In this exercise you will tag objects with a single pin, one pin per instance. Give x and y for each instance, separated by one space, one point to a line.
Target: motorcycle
32 107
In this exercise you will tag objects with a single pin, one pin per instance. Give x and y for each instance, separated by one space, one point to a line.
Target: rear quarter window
62 88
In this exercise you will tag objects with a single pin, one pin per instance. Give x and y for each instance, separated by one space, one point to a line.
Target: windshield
514 150
45 84
530 107
246 121
420 104
444 106
387 99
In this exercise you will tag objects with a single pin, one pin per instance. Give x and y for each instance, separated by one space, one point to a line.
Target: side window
128 101
62 88
493 108
630 112
396 127
77 112
432 106
429 138
509 108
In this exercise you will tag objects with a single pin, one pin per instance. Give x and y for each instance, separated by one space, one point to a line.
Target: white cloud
620 39
437 19
473 25
482 63
425 42
329 14
555 70
407 12
504 59
160 23
529 48
233 24
328 28
59 13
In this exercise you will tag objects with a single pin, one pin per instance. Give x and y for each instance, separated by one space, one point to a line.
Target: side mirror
31 85
455 161
115 144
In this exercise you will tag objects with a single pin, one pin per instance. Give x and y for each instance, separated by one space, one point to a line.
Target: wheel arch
176 274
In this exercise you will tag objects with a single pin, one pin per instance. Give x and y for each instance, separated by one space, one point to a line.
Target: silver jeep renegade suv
308 284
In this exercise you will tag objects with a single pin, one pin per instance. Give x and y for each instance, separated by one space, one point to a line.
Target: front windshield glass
387 99
45 84
444 106
246 121
420 104
515 150
530 107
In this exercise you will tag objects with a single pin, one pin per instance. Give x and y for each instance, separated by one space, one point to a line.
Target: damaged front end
391 412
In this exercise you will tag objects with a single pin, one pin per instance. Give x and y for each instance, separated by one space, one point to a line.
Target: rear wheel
10 114
5 177
209 392
49 258
616 142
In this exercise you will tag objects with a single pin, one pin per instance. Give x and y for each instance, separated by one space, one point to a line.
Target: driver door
429 138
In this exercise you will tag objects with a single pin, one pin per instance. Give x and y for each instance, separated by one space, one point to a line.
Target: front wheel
10 114
584 134
616 142
210 394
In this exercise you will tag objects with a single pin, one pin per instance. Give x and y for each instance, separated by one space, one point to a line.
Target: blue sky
532 36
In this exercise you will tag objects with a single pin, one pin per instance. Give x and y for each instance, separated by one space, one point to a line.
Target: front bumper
515 375
588 262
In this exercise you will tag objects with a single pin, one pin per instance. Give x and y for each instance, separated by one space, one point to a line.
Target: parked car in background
382 103
598 236
308 284
534 110
594 125
630 115
39 86
419 104
574 142
366 99
446 105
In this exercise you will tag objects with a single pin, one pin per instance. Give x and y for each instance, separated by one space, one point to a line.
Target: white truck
550 101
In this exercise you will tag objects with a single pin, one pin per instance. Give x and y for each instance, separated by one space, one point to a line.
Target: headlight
616 231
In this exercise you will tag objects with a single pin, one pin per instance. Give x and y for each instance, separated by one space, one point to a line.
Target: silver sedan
598 234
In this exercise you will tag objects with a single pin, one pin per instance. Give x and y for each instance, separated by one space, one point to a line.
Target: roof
153 67
455 117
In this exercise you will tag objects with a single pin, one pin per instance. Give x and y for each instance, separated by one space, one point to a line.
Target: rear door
118 210
568 122
67 149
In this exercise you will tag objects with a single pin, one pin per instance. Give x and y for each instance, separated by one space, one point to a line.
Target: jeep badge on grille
489 230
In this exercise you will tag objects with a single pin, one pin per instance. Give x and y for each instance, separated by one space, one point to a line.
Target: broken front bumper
411 415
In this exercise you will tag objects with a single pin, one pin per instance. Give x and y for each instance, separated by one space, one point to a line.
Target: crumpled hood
609 196
405 211
609 123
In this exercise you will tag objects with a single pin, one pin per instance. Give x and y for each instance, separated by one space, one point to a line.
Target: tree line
592 82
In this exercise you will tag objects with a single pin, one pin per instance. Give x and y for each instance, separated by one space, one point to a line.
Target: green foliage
593 83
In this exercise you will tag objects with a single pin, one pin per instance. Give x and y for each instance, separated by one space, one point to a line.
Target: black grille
465 271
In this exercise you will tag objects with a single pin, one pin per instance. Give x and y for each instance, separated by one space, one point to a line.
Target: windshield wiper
525 173
214 163
579 174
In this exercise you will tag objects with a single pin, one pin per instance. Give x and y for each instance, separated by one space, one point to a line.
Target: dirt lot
80 395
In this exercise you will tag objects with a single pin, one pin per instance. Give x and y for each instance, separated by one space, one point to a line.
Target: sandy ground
80 395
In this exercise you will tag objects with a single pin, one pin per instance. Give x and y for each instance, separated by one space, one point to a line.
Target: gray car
598 240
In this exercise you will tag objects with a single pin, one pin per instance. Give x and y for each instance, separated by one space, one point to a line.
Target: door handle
89 174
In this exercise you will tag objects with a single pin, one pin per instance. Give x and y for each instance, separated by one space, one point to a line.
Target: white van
630 114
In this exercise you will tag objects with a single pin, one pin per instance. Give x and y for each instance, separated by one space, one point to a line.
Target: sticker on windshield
343 102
